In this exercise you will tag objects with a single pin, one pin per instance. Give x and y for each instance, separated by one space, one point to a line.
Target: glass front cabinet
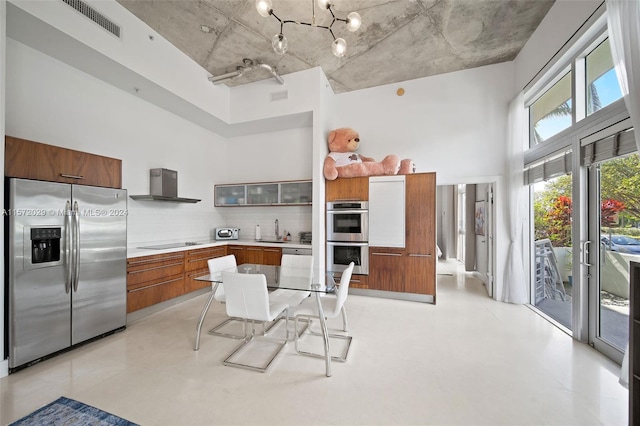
264 194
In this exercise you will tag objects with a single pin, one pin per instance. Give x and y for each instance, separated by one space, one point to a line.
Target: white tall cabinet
387 211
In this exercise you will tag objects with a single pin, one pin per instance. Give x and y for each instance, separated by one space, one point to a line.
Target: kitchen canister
258 233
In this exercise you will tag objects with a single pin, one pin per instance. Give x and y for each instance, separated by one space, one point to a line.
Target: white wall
452 124
140 49
68 108
273 156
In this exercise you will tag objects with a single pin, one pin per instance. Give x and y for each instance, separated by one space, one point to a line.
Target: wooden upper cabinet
34 160
95 170
347 189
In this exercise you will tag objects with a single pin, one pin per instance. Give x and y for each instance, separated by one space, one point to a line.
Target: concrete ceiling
399 40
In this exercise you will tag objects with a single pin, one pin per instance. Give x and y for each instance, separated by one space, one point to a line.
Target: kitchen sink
273 241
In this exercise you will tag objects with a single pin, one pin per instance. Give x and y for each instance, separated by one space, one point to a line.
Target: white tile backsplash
170 222
293 219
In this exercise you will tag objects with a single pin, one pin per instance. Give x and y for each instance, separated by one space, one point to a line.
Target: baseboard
411 297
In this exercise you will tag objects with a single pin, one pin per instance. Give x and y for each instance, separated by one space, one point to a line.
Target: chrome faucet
277 230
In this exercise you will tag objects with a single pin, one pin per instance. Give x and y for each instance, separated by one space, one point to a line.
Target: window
558 108
552 112
602 83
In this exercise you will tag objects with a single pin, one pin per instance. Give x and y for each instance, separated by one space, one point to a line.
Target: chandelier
279 41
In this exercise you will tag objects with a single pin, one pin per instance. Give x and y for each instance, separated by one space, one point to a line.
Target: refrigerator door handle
76 246
67 261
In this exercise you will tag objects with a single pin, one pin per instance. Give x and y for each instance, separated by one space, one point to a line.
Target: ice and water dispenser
45 245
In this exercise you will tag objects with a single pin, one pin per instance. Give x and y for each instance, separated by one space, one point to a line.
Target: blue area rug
67 412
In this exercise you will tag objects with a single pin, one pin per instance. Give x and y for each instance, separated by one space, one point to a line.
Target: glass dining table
296 280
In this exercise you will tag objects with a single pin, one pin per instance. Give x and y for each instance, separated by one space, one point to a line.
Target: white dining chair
247 297
294 269
216 266
332 305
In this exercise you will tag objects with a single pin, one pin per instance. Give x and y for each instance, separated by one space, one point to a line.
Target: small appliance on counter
305 237
227 233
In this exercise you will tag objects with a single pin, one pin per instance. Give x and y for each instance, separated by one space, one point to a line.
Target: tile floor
467 360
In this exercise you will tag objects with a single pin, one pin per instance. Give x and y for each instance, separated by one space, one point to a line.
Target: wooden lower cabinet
271 256
393 269
195 265
157 278
256 254
253 255
419 273
357 281
238 252
154 279
386 269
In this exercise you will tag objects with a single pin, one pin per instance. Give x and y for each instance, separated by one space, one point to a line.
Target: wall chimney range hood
163 185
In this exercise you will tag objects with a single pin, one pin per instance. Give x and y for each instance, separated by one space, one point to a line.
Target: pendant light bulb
353 21
339 47
265 7
324 4
279 43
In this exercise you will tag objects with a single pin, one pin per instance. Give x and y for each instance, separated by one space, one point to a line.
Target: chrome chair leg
308 319
343 311
250 338
202 315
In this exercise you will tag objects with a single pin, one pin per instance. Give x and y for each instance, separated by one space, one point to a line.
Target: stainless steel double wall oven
348 236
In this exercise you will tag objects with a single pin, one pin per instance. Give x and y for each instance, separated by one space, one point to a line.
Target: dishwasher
297 251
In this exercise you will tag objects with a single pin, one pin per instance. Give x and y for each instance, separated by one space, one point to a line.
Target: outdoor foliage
620 192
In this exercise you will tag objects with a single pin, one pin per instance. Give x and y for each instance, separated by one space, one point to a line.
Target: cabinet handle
252 249
419 255
273 250
71 176
157 267
197 274
387 254
159 259
155 285
199 259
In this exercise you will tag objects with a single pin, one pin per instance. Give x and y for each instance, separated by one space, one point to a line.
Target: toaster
227 233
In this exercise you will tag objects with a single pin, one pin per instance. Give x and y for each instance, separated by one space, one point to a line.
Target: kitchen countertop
134 250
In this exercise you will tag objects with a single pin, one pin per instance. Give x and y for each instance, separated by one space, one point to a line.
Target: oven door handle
346 243
359 211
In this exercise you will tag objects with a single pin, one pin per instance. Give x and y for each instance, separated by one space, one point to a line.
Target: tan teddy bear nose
357 139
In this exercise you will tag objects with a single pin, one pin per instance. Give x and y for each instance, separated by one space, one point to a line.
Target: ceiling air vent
95 16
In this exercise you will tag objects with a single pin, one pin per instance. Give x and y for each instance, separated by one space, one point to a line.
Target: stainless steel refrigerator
66 260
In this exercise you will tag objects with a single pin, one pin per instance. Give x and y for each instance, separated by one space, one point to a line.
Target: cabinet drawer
253 255
271 255
197 259
357 281
149 269
155 292
190 284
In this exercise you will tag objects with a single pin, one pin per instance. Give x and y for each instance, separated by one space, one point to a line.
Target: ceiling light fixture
280 42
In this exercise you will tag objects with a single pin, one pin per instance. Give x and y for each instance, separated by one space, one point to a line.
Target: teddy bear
343 161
